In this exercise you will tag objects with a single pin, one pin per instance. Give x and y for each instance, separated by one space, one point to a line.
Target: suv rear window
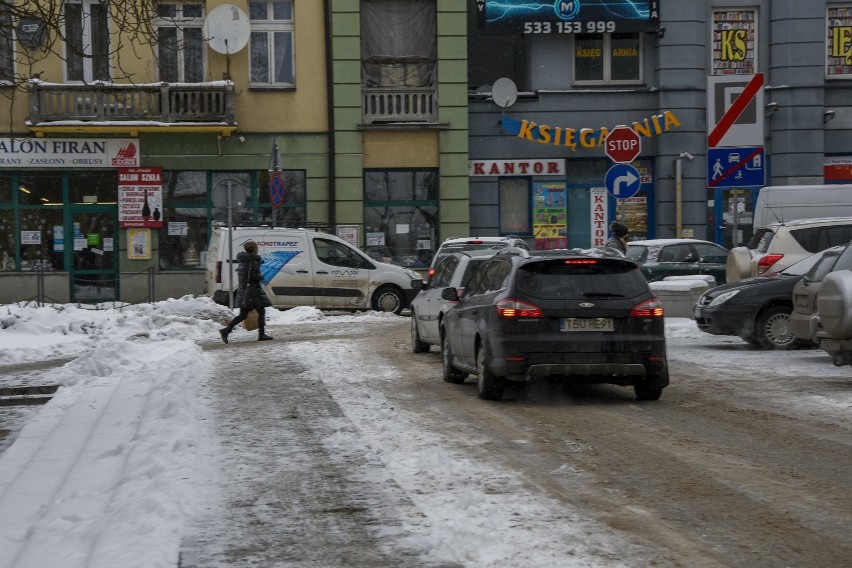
815 239
760 240
553 279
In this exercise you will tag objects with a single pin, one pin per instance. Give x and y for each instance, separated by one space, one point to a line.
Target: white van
302 267
782 203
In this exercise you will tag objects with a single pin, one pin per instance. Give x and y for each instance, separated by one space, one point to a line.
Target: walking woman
250 294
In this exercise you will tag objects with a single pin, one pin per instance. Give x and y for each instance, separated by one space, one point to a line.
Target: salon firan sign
69 153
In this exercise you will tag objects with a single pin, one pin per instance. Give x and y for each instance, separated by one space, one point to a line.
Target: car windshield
803 266
554 279
636 253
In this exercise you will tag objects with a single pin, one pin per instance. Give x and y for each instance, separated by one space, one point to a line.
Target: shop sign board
140 197
69 152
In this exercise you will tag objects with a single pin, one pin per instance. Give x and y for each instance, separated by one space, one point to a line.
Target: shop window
185 187
86 41
609 58
38 248
7 53
5 188
180 43
839 57
514 206
7 239
292 212
271 44
401 216
40 189
183 238
93 187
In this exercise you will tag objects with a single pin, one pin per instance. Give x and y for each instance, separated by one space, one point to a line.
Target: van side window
336 254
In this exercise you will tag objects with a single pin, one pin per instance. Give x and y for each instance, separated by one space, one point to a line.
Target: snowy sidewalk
105 450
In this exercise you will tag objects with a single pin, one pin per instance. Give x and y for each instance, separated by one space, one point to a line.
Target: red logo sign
622 145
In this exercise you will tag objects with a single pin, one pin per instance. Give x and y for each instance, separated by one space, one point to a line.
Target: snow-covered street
335 446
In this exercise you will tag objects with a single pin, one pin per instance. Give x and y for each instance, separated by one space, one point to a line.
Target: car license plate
587 324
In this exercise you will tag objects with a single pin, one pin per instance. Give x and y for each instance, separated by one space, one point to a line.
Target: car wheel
388 299
451 374
644 392
488 386
417 346
772 329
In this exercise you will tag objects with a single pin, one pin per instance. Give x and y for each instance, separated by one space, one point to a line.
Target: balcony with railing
398 90
132 107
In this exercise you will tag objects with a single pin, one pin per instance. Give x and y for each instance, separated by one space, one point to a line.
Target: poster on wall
140 195
139 244
734 42
839 42
550 215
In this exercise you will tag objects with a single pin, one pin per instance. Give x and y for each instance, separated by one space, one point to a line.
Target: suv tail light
218 272
766 261
511 308
652 308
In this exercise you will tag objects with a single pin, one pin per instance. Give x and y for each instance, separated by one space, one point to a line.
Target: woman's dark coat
250 294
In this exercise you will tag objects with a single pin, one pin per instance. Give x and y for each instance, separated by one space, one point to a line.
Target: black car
758 309
575 316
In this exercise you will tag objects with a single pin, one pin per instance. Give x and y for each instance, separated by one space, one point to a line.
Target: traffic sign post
736 167
276 190
622 145
622 181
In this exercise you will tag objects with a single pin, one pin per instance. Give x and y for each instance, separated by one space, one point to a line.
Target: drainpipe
678 164
332 152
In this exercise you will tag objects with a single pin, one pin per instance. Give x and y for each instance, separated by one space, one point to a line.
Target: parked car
806 291
831 326
756 310
570 316
428 308
776 246
659 258
475 243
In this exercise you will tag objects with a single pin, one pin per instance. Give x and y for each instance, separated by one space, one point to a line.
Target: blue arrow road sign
736 167
622 181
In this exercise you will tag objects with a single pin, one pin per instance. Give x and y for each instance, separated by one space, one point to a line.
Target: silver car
428 308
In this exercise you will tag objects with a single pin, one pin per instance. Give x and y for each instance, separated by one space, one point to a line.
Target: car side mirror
450 294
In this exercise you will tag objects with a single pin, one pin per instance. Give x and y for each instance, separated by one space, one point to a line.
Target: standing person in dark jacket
250 294
618 237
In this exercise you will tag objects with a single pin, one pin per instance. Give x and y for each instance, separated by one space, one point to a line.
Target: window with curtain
515 206
609 58
180 42
86 41
271 61
401 216
398 43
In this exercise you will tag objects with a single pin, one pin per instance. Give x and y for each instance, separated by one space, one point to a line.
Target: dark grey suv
575 316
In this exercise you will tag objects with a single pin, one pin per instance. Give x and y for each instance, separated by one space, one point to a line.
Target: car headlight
411 274
724 297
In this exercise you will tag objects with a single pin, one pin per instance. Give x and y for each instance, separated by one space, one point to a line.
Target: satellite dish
504 92
227 29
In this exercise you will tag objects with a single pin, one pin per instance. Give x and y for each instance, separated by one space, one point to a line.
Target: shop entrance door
94 253
733 216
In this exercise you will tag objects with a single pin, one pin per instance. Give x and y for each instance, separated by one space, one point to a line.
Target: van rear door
286 269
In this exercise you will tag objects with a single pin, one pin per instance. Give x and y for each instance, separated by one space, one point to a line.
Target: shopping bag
250 323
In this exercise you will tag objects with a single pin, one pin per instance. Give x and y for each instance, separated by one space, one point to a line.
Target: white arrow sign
627 179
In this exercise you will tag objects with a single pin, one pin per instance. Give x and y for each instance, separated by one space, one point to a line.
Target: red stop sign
622 145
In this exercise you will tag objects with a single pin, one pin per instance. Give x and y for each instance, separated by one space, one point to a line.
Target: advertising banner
140 197
550 216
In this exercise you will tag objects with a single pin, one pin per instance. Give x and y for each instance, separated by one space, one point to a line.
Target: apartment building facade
125 149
